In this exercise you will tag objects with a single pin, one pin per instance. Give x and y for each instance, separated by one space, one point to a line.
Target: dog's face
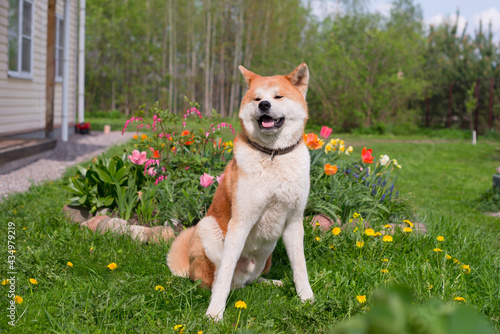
273 111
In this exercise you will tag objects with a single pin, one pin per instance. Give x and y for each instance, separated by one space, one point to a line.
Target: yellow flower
179 328
466 268
144 137
360 244
318 238
440 238
377 234
228 147
240 304
355 230
349 150
460 299
317 224
387 238
135 137
112 266
430 286
385 260
25 228
408 222
159 287
456 261
384 271
18 299
70 264
200 332
407 229
332 247
33 281
387 226
336 231
448 257
5 282
361 299
437 250
356 215
398 166
369 232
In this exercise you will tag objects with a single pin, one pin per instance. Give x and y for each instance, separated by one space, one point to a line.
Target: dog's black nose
264 105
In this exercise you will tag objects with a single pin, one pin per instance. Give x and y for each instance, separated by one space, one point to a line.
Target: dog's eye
257 99
278 97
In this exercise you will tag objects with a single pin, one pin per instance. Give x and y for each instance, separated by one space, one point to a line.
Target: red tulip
325 132
366 156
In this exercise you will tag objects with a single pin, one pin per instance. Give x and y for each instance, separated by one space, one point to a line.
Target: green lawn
442 179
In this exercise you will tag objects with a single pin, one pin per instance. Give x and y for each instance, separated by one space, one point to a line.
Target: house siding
22 101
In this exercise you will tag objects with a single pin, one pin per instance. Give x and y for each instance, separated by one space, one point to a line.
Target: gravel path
77 149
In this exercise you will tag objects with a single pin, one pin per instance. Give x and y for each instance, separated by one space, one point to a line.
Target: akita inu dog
261 197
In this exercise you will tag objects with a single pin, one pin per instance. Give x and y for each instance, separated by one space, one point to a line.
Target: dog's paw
215 316
274 282
307 296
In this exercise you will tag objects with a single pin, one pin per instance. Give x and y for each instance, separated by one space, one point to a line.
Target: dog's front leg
293 237
236 237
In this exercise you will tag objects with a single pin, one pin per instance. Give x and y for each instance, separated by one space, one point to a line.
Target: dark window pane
60 63
13 34
61 33
26 56
27 19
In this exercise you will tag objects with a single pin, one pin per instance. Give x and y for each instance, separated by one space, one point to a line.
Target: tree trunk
51 69
235 84
171 56
206 100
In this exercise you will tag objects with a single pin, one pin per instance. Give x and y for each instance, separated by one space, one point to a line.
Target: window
20 35
59 47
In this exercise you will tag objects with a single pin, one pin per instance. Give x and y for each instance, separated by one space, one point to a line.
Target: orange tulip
312 141
330 170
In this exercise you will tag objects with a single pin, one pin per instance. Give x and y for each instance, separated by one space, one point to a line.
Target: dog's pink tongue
269 124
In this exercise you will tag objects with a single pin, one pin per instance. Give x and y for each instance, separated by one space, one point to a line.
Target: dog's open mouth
269 123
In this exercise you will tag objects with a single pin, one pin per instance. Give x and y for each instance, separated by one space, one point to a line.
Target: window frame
20 74
59 19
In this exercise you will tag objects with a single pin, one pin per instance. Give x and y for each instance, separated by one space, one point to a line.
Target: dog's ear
300 78
248 75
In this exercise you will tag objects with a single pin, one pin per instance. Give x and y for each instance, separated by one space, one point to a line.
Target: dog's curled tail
178 256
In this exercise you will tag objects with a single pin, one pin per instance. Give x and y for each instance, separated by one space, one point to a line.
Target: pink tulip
325 132
137 157
206 180
219 178
151 171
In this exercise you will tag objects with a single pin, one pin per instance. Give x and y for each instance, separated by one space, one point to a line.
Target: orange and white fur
261 197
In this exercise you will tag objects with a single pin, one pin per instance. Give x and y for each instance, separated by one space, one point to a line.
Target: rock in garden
139 233
77 214
325 222
498 170
160 233
114 225
94 222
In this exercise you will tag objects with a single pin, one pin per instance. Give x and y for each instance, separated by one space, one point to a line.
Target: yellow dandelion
18 299
318 238
33 281
332 247
112 266
144 137
369 232
407 230
336 231
384 271
361 299
465 268
240 304
200 332
408 222
460 299
135 136
360 244
25 228
5 282
13 251
70 264
456 261
387 226
377 234
179 328
317 224
159 287
437 250
385 260
440 238
430 286
448 257
387 238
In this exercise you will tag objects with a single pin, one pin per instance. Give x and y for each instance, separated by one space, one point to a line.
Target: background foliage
373 72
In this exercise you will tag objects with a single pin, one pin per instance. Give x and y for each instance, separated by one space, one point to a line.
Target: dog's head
273 111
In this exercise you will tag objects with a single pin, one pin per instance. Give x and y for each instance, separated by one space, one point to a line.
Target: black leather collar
274 152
